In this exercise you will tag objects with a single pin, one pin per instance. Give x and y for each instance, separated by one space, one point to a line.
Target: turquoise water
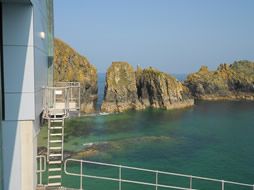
211 139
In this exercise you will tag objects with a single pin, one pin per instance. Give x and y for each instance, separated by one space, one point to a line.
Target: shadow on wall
18 85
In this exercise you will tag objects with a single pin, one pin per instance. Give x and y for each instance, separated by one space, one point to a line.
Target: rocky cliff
70 66
120 89
226 83
160 90
126 89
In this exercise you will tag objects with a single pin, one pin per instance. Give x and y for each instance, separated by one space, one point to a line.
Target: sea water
211 139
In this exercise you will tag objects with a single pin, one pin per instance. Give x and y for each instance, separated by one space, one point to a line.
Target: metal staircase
58 102
55 151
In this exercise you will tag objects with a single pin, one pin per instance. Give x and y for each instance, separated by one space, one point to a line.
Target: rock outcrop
70 66
226 83
126 89
160 90
120 89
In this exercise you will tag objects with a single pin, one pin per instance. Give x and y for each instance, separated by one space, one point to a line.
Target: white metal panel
18 69
19 106
11 154
17 24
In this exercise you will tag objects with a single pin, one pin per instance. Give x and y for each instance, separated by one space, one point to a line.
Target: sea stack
120 89
70 66
160 90
234 82
126 89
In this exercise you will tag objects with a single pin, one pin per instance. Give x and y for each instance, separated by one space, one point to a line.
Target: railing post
156 187
81 173
40 172
253 187
49 124
190 182
79 99
62 140
71 92
222 184
120 177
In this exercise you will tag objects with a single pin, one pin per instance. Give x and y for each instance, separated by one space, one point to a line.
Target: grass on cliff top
246 67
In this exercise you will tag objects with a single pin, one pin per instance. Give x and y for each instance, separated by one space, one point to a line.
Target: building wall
18 56
1 48
40 55
25 73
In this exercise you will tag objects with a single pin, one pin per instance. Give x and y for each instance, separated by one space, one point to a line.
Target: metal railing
60 99
74 92
41 170
156 184
56 102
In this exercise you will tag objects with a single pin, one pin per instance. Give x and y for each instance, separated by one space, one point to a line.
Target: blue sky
175 36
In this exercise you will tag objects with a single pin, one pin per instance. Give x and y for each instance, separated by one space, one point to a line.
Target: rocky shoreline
128 89
232 97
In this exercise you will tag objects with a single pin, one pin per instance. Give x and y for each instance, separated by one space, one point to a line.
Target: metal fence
61 99
55 102
73 93
120 180
41 170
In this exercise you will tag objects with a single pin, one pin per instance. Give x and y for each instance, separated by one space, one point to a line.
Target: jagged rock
226 83
145 88
70 66
120 89
160 90
223 67
203 68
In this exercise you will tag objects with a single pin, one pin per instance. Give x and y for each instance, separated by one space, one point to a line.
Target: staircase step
53 155
54 184
56 121
56 134
54 169
54 177
55 162
55 148
57 127
55 141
